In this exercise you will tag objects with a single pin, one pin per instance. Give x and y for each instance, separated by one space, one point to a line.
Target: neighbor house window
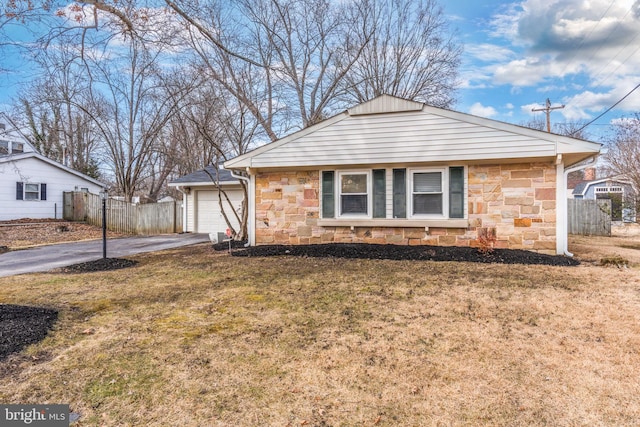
354 190
4 147
17 147
31 191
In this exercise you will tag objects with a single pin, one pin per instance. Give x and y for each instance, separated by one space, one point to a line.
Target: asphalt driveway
44 258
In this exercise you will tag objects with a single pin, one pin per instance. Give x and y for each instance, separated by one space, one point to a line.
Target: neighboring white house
31 185
201 200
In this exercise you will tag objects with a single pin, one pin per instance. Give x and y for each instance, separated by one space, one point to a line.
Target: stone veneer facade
508 206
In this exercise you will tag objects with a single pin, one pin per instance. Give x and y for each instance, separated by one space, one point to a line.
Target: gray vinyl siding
402 138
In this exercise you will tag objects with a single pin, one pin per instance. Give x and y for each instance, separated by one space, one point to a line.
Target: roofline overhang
563 144
203 184
34 154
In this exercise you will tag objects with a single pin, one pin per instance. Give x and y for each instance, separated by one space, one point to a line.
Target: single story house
201 200
31 185
396 171
619 190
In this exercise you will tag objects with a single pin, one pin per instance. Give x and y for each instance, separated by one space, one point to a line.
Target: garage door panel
209 217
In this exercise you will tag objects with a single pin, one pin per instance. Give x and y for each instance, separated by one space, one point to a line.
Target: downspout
185 205
593 162
249 206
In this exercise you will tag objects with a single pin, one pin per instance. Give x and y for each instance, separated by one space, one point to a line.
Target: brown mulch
28 232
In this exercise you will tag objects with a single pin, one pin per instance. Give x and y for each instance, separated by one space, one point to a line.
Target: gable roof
203 177
388 130
33 154
583 187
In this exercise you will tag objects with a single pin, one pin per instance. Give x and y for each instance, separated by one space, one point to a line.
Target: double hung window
354 193
427 197
31 191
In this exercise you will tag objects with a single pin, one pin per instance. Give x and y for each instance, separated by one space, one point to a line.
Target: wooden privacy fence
589 217
124 217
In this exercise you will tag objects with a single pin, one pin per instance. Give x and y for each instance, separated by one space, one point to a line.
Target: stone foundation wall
509 206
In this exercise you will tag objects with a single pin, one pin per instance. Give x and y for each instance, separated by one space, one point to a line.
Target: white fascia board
203 184
33 154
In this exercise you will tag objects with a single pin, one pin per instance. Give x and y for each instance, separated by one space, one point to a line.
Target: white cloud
478 109
562 38
488 52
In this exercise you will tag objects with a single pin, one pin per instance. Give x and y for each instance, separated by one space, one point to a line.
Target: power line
584 38
604 42
608 109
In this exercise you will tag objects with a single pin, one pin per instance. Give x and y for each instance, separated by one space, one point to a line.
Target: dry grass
193 338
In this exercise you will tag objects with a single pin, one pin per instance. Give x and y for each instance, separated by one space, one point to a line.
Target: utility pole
548 109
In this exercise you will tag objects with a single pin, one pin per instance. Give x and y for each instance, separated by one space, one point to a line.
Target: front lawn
193 337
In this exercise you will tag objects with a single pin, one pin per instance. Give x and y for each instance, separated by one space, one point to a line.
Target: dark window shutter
328 194
399 193
379 193
456 192
43 191
19 191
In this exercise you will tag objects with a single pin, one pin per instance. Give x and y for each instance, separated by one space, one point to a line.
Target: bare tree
134 110
572 129
311 46
52 110
212 127
408 51
623 154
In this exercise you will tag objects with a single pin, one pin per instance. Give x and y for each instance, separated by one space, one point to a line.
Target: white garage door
209 218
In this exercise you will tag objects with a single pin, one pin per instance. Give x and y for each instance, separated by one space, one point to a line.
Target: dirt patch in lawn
410 253
28 232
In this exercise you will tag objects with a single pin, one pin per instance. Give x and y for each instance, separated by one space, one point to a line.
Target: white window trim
338 192
445 193
14 144
612 189
24 191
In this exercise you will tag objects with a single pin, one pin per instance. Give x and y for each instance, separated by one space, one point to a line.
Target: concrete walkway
44 258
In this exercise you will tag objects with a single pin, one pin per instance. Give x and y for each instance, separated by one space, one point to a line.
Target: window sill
404 223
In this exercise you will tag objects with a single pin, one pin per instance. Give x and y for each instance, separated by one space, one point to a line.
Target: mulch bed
22 325
400 252
102 264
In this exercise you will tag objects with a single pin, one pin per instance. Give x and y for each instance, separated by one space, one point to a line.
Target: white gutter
563 195
182 189
250 206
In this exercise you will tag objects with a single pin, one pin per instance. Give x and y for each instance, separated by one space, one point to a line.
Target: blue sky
584 54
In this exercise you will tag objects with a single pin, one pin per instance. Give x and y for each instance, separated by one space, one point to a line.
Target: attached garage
201 198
